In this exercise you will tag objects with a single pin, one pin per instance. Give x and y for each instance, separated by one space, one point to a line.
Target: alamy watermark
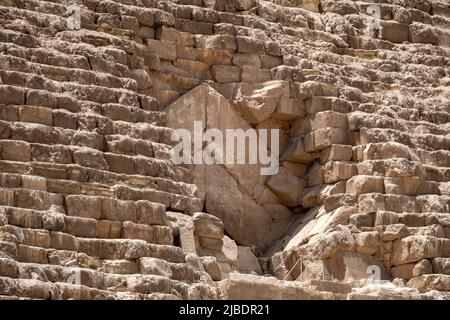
75 277
374 23
73 17
234 146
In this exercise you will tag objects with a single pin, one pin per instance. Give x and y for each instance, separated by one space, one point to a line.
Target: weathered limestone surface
92 207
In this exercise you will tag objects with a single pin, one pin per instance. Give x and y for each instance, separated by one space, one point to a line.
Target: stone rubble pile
92 207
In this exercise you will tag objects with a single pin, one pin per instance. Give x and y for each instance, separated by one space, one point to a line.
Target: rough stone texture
91 207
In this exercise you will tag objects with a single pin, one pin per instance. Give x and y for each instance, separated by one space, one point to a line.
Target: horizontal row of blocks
66 180
95 278
106 249
39 133
93 207
373 202
82 121
143 164
73 179
75 228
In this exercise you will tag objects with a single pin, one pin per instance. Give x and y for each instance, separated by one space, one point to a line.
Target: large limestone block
394 232
241 59
109 229
296 152
119 163
422 267
433 203
349 266
250 45
270 61
137 231
329 119
32 254
311 5
150 213
403 271
336 152
273 123
402 186
325 137
428 282
322 246
6 197
331 189
441 265
414 248
340 216
207 226
38 200
394 32
15 151
422 33
186 234
82 227
34 183
155 266
365 184
163 49
340 7
172 35
238 210
254 74
316 104
396 168
367 242
197 69
223 73
63 241
341 199
90 158
257 101
36 115
252 287
162 235
286 186
230 252
339 170
212 267
399 203
298 169
229 191
413 220
8 268
289 109
168 253
194 106
118 210
386 150
119 267
310 197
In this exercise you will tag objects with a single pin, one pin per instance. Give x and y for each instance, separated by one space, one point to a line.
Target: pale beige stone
286 186
212 267
248 263
414 248
365 184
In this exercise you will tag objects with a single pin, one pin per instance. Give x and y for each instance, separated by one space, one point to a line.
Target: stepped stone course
92 207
